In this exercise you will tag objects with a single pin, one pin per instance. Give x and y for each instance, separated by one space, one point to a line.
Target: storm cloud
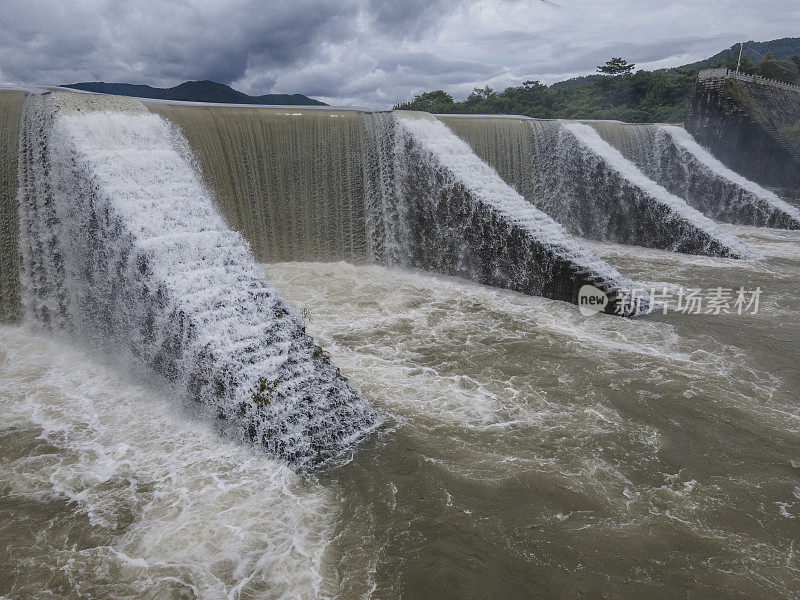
367 52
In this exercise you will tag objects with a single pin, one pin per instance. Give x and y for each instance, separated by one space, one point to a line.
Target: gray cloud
367 52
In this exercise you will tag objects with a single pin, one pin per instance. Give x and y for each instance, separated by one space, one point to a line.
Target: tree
616 66
481 94
782 70
437 101
796 61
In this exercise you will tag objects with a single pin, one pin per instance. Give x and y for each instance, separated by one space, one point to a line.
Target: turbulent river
527 451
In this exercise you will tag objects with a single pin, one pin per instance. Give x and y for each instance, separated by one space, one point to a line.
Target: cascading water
121 244
559 456
290 180
573 164
11 102
570 173
671 156
303 185
438 207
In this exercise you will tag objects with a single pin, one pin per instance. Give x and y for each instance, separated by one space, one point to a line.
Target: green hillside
640 97
782 49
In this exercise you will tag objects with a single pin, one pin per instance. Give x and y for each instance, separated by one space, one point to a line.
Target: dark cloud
159 42
410 18
367 52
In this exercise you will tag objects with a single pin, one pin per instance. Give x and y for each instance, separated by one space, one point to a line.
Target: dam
116 216
381 306
651 185
116 232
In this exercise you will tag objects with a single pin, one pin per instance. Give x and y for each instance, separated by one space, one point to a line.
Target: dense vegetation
769 67
783 49
616 92
644 96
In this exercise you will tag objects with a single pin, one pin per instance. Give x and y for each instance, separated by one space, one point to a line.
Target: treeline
640 97
644 96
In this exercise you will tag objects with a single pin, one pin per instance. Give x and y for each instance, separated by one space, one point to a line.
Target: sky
372 53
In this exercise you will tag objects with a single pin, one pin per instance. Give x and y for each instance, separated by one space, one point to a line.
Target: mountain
782 49
194 91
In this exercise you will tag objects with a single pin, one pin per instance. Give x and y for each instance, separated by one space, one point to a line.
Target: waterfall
671 156
121 245
440 208
290 180
585 184
11 102
574 164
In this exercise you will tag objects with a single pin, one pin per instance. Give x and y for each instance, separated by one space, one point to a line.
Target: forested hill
642 97
636 97
194 91
782 49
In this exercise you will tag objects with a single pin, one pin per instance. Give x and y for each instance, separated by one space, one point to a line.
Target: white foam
684 140
588 137
122 245
183 508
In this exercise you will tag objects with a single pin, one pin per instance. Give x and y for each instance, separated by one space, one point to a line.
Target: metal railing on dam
723 73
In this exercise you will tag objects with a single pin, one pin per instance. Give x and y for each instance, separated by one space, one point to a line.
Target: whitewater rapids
530 451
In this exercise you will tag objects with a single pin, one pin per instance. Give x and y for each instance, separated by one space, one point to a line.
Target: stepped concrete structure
302 184
741 119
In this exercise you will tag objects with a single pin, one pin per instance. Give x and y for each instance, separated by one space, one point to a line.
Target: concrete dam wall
586 184
741 120
137 231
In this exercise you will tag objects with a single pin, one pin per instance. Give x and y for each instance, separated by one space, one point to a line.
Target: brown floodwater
528 451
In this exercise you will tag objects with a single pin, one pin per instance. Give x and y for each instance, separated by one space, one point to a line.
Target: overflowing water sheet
584 183
669 155
435 205
121 245
290 180
11 102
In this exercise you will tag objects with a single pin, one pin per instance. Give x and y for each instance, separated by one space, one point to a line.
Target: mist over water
529 451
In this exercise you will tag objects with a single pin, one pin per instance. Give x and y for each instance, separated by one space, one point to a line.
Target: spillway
437 206
121 245
290 180
304 184
669 155
584 183
11 102
139 228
